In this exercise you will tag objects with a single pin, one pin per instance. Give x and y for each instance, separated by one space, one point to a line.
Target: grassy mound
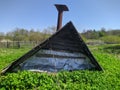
109 79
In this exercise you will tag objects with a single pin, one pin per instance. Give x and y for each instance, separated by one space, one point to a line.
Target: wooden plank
58 56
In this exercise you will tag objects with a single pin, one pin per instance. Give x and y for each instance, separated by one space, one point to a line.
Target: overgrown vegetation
109 79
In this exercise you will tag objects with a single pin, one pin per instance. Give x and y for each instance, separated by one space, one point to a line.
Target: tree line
107 36
20 34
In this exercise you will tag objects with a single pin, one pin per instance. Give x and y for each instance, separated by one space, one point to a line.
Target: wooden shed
64 50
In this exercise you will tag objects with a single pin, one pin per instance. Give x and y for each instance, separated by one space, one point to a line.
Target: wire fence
18 44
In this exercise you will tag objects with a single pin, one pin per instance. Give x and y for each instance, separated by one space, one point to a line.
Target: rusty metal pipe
60 9
59 22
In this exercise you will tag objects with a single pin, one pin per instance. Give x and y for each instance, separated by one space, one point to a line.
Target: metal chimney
60 9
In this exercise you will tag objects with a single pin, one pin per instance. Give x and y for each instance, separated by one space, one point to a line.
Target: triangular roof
66 39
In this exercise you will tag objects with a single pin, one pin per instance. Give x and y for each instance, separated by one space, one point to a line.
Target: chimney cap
61 7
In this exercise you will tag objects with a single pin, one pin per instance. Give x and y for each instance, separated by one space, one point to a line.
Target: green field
108 57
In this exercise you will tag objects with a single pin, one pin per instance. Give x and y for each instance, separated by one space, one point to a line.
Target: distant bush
111 39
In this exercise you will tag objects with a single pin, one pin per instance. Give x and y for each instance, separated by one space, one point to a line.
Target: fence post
18 44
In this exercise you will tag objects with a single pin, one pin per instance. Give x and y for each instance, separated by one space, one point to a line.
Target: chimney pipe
60 9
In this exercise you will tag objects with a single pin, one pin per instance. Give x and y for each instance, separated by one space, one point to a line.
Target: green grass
10 54
109 79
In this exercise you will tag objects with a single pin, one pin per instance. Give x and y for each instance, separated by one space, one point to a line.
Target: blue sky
40 14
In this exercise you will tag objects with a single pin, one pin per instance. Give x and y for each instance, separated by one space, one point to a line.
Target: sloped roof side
66 39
